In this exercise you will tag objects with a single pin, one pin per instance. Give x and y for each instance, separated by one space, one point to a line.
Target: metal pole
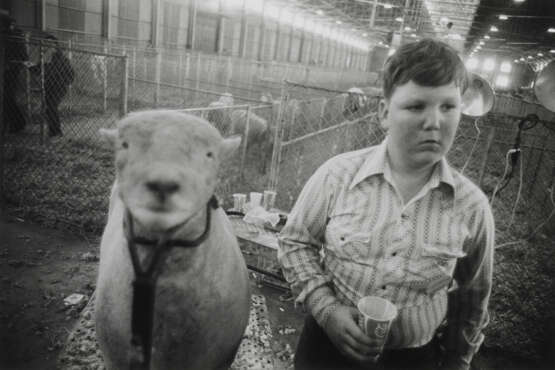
157 77
105 81
70 87
276 150
124 86
245 141
42 93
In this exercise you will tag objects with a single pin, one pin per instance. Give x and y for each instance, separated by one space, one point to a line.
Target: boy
395 221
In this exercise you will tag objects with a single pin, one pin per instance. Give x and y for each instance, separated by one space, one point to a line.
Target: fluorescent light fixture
551 30
413 35
522 59
481 43
505 67
489 65
502 81
487 37
503 17
494 29
472 63
552 51
408 29
387 6
320 12
518 1
529 57
338 22
399 19
540 54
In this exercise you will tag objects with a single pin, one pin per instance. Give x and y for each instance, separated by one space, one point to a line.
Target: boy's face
421 122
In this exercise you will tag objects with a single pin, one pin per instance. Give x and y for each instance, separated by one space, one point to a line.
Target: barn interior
302 81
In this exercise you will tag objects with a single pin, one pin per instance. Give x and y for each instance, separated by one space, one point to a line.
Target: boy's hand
344 332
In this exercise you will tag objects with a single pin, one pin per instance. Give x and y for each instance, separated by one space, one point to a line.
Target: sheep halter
144 285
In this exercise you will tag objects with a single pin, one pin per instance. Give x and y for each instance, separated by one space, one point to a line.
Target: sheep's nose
162 188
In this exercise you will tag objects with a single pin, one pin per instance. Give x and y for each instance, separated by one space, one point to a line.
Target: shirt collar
376 163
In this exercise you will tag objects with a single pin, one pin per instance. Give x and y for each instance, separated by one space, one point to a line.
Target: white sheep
166 173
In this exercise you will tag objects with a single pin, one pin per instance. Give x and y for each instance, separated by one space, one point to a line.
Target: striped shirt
350 235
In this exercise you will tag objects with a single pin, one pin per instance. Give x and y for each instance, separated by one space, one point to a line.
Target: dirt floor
41 267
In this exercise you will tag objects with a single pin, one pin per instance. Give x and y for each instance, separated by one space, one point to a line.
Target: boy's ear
109 136
383 112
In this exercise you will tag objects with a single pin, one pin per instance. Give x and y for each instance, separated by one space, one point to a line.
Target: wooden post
491 135
157 77
124 85
106 20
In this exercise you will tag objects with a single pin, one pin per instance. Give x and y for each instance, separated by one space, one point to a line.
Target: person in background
58 75
16 58
395 221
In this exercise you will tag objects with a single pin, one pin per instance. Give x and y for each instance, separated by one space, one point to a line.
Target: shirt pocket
348 244
433 267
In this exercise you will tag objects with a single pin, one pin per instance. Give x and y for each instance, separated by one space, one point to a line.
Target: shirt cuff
321 303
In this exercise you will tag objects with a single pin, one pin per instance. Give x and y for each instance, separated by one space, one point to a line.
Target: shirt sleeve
468 305
300 243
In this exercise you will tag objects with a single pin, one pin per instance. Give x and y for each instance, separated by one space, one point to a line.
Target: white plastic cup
255 199
375 318
239 200
269 199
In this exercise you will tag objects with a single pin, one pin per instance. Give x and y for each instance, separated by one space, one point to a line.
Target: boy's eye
415 107
448 107
125 145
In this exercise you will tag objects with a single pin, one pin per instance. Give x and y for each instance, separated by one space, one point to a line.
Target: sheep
220 116
167 164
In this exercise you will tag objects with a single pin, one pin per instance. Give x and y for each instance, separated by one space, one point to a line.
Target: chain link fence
316 124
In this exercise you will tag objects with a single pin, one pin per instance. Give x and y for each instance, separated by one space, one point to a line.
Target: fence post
197 79
276 150
70 87
245 141
491 135
229 73
134 74
157 77
42 93
105 80
124 86
27 82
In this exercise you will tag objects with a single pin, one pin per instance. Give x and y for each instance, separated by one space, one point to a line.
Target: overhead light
494 29
540 54
518 1
408 29
338 22
529 57
516 60
387 6
413 34
503 17
481 43
552 51
487 37
522 59
399 19
365 35
551 30
320 12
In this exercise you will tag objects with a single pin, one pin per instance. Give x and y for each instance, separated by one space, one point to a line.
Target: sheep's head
167 165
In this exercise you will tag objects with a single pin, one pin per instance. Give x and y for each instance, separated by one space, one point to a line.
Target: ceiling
463 22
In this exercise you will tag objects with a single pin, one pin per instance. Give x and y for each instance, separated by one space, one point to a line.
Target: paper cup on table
255 199
269 199
239 201
376 316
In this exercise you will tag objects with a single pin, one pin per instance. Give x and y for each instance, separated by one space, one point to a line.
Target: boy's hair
427 63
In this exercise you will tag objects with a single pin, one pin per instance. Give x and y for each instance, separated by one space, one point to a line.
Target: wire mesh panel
54 163
312 130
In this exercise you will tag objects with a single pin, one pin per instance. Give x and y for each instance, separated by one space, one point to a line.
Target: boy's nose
432 119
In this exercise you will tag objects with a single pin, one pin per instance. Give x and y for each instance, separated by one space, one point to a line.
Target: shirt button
394 254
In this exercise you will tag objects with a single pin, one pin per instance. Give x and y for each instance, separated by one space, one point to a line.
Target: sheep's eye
209 155
125 145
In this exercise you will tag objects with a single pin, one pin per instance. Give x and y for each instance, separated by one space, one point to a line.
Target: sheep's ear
230 145
109 135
